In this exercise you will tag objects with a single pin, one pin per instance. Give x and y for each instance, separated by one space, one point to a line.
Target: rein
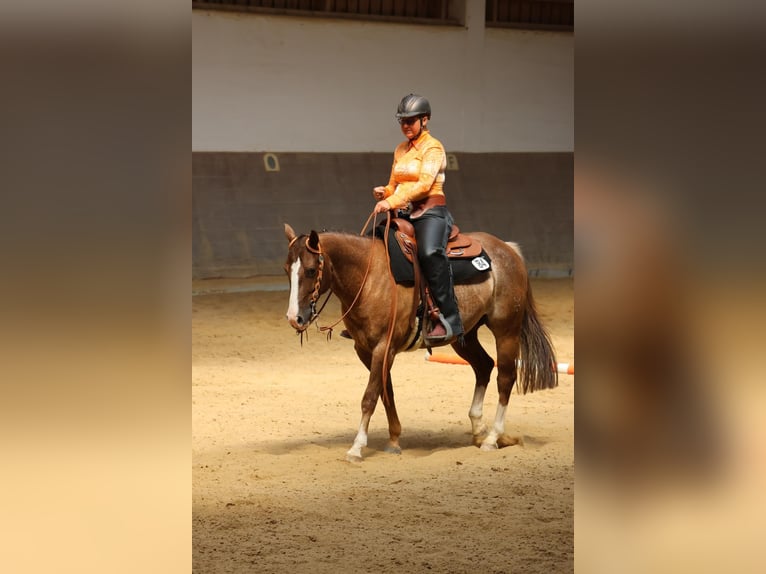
318 284
394 302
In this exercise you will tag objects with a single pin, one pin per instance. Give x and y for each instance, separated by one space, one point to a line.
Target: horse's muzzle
299 322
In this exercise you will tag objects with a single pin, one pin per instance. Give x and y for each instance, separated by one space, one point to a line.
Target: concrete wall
269 83
321 94
239 208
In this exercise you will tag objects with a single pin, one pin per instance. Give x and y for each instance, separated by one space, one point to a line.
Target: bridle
317 283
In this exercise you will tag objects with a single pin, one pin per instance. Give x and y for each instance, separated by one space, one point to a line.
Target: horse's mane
344 234
340 232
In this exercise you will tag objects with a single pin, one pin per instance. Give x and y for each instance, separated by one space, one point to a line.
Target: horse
377 315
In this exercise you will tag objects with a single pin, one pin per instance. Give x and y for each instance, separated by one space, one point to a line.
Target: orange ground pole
563 368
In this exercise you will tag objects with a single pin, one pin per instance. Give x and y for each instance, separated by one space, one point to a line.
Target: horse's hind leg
482 365
507 352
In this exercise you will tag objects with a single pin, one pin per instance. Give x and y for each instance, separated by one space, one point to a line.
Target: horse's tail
538 361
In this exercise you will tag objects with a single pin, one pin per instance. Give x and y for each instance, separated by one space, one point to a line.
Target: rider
417 180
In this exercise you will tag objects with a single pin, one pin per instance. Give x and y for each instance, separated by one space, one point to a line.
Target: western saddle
459 246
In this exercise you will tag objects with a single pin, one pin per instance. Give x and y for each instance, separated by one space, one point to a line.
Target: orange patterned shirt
418 171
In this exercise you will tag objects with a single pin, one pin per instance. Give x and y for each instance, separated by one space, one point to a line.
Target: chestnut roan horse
356 269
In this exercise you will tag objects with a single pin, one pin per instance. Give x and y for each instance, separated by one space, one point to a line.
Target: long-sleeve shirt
417 172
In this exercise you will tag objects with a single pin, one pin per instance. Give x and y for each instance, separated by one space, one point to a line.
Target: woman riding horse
417 179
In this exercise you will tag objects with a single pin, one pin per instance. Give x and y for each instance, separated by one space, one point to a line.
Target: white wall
270 83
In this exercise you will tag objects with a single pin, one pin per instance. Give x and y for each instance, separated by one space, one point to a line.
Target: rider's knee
433 252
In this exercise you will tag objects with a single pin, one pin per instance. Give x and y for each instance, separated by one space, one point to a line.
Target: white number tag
480 263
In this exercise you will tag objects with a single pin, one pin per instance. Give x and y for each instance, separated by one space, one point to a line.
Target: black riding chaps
432 230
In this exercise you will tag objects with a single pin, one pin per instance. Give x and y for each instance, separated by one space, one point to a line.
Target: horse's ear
289 233
314 240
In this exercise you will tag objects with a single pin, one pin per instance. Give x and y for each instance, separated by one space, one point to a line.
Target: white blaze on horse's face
293 307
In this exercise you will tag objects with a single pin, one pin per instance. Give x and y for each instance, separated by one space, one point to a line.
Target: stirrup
448 335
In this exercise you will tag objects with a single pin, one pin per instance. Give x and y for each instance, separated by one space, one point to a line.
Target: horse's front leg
369 401
374 362
394 426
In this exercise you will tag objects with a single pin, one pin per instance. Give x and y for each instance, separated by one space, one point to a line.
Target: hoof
478 439
393 449
488 446
355 458
504 440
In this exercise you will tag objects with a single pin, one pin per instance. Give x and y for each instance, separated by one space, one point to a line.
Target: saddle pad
463 270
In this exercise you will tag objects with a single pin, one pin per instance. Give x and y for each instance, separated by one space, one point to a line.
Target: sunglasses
408 121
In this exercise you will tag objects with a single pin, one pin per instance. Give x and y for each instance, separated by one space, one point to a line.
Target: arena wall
317 97
239 208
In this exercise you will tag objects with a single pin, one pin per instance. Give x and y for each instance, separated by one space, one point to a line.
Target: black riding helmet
412 106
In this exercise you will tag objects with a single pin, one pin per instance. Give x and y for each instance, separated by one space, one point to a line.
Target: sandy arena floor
272 422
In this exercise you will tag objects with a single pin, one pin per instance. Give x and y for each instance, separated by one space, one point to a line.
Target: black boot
447 327
432 230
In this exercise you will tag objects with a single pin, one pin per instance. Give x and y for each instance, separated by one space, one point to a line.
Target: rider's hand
382 206
379 192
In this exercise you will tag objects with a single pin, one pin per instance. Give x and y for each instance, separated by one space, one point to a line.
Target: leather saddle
459 246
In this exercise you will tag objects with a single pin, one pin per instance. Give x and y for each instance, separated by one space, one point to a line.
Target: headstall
317 282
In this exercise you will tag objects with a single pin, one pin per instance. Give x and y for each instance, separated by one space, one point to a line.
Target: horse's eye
311 273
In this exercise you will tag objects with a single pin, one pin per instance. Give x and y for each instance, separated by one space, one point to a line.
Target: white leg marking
477 409
355 452
498 428
292 307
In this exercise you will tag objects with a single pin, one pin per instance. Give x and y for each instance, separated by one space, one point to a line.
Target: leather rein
320 273
318 284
